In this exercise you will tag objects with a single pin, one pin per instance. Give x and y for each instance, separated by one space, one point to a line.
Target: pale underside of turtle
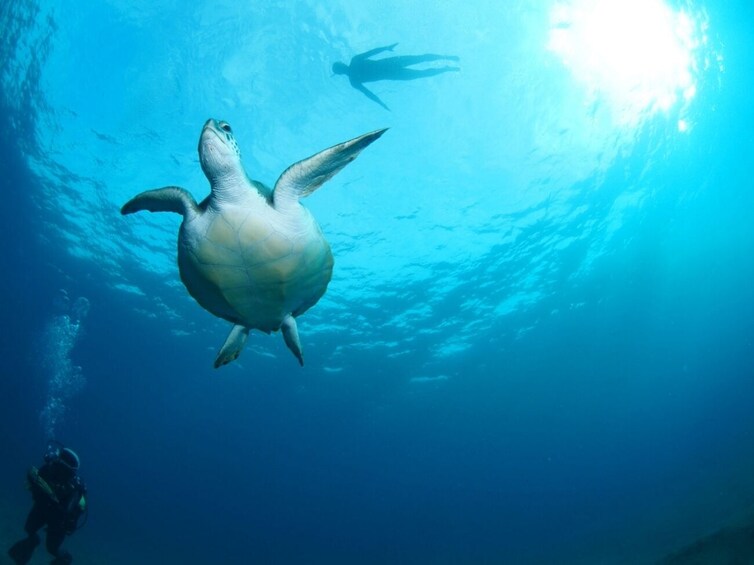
249 254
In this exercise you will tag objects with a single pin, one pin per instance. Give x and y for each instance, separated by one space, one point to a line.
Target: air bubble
64 380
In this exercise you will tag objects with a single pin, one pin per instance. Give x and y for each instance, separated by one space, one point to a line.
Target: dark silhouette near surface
59 502
363 69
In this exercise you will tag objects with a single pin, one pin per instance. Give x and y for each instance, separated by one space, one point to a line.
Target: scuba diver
59 503
363 69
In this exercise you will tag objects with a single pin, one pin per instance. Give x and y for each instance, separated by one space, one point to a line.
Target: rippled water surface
535 347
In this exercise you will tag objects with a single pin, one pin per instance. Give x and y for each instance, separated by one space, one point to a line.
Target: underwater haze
536 347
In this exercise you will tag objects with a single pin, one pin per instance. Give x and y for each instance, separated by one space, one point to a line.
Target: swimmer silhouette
362 69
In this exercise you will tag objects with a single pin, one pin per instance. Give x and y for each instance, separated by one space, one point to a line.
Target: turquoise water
536 345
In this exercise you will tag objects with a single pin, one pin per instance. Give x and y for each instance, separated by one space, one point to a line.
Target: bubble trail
64 380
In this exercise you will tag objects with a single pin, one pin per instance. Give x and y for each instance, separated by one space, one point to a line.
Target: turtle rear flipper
290 336
233 345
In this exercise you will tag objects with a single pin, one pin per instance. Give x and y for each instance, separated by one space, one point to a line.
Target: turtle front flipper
290 336
233 345
167 199
306 176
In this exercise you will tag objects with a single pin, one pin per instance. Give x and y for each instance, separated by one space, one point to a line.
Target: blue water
537 343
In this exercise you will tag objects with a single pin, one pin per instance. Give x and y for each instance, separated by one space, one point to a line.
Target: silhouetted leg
35 520
411 74
22 551
55 537
408 60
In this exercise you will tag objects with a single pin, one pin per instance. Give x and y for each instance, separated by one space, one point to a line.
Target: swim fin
22 551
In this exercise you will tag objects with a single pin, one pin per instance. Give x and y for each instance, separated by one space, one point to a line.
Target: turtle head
218 150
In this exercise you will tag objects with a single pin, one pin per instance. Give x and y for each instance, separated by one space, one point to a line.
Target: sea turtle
250 255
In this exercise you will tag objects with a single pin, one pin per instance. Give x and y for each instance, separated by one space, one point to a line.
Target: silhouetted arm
368 54
369 94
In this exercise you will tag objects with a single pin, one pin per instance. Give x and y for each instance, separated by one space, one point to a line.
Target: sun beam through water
640 56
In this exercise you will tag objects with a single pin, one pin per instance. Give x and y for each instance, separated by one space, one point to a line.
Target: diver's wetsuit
58 508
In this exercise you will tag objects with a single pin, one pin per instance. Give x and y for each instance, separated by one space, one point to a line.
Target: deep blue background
611 432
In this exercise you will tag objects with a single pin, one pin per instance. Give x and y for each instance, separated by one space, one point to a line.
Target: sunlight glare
636 54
